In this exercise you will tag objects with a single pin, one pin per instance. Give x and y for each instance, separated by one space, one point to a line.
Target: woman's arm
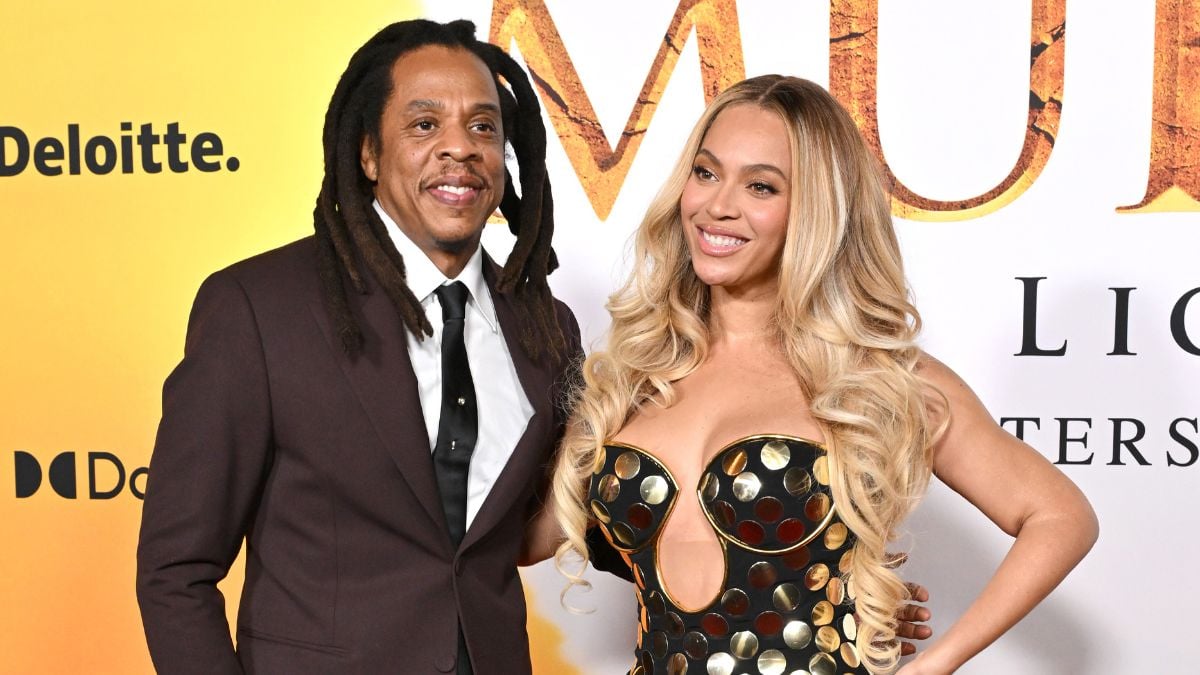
1024 495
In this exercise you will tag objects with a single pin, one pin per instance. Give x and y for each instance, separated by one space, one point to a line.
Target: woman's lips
718 244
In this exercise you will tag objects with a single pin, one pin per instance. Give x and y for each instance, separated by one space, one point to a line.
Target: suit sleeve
211 454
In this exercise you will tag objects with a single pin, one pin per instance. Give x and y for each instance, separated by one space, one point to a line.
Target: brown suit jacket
321 462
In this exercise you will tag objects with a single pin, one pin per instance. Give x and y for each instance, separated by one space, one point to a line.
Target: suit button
445 664
458 567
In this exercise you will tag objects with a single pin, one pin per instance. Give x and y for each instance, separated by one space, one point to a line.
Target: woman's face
735 205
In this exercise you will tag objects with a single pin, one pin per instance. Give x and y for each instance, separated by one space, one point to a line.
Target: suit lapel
536 380
383 379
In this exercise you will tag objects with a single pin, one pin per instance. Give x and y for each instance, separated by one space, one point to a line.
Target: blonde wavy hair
843 319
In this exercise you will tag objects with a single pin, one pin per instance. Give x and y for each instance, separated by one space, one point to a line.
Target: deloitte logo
102 154
106 476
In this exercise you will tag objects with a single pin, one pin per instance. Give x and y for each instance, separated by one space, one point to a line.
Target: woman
767 304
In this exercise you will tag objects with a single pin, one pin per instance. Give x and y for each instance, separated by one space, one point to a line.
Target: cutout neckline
720 537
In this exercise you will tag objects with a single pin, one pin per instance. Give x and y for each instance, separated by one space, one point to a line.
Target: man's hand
912 617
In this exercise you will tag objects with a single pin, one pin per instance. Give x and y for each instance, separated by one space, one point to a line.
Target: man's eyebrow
419 104
425 104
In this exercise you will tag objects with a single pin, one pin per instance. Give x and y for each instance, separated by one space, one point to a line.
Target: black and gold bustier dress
783 607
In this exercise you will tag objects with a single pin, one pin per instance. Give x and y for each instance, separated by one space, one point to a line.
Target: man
371 408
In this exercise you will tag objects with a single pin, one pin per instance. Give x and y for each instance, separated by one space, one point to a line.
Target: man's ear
368 160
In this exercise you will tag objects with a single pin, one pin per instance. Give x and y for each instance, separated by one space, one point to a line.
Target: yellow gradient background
99 272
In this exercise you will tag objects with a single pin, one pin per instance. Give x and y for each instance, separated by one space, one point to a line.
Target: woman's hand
1025 496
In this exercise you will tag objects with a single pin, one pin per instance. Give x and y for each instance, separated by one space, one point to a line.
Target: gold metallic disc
655 604
797 482
849 627
623 534
820 470
835 591
721 663
696 645
628 465
816 577
828 639
846 562
817 507
734 462
654 489
735 601
849 655
762 574
674 624
746 486
724 514
677 664
601 458
822 664
786 597
835 536
609 487
658 644
743 644
797 634
772 662
709 487
601 512
775 455
822 613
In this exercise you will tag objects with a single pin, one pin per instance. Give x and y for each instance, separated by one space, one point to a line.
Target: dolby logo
106 476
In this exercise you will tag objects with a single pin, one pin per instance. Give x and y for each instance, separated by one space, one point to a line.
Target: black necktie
458 426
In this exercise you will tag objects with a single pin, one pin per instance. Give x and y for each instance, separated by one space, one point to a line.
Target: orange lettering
600 167
1174 181
853 69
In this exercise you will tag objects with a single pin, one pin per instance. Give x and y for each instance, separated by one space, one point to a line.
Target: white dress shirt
504 411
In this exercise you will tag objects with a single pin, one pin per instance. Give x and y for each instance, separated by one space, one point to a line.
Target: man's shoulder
292 261
281 278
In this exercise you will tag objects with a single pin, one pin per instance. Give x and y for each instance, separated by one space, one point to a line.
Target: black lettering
1029 323
22 147
92 150
1063 440
1121 323
1179 324
1177 435
207 145
173 140
126 148
94 457
147 139
62 475
1020 432
45 151
28 473
73 149
1119 440
138 491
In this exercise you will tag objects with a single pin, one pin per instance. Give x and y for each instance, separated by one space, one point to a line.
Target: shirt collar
423 277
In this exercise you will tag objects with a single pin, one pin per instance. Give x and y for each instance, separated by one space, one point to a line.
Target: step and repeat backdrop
1045 168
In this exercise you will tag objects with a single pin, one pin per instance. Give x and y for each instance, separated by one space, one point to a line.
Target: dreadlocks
349 232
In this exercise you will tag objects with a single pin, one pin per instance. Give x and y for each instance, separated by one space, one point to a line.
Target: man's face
438 167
